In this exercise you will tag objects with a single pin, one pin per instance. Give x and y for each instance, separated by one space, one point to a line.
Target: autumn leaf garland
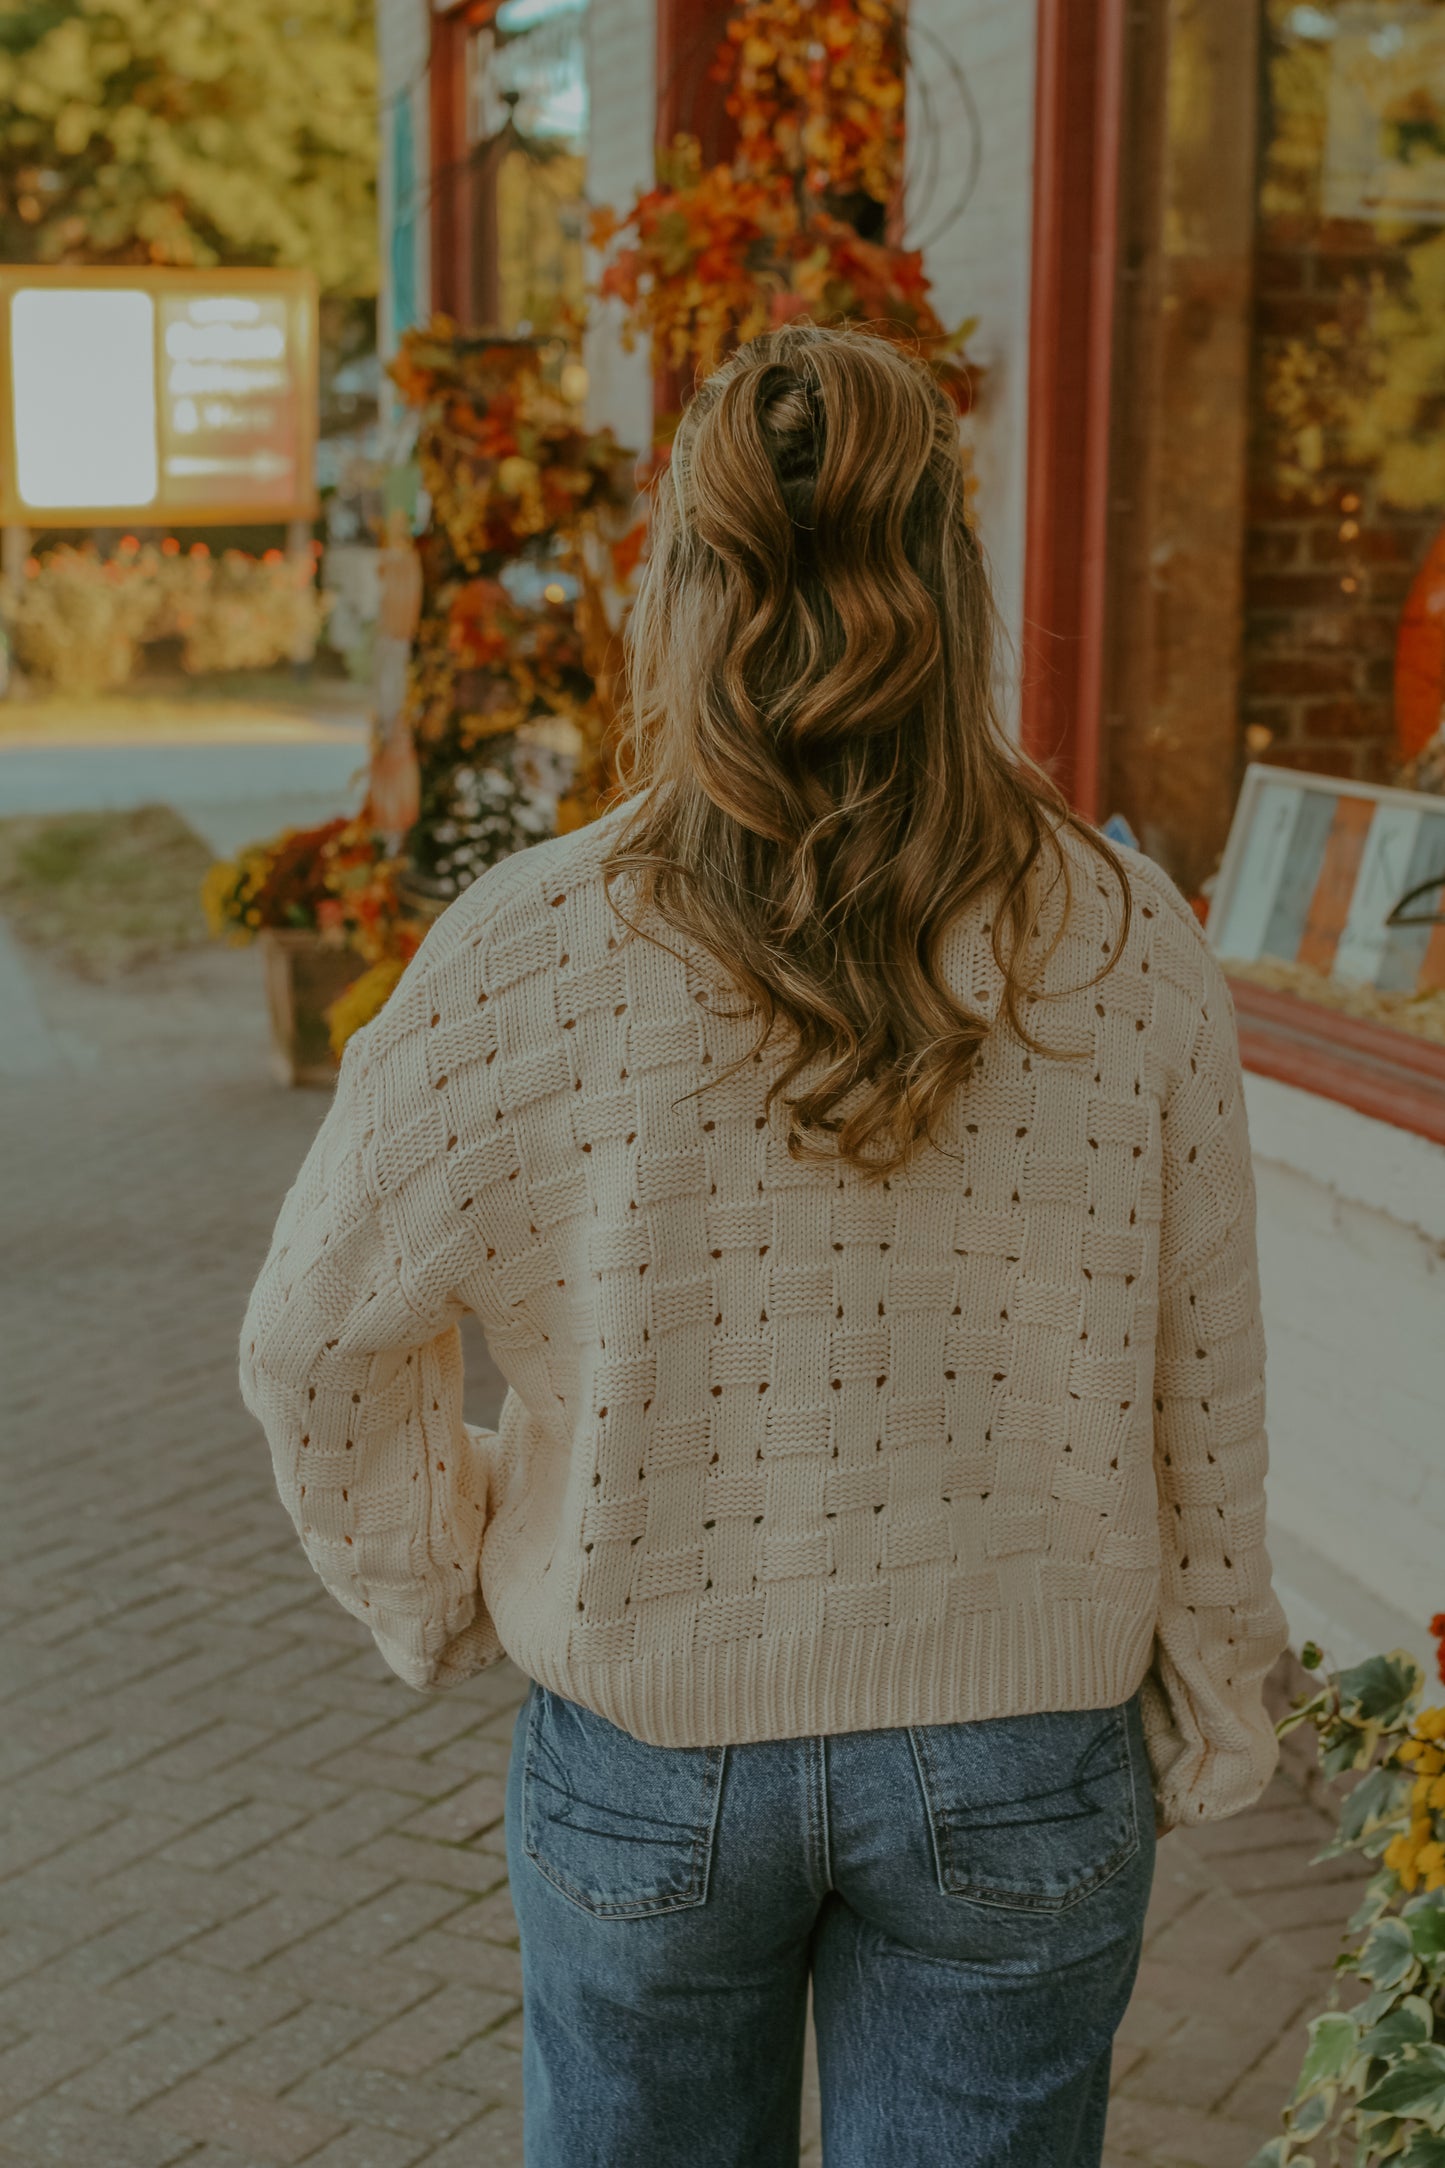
818 90
713 255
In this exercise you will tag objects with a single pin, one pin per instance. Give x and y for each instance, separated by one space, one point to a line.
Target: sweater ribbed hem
964 1669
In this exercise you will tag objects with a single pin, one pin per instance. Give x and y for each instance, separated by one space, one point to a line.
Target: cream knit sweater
785 1450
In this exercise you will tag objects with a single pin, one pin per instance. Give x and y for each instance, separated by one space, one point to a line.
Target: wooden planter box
304 975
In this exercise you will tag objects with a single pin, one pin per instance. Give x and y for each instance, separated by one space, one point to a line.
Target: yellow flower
1413 1851
1430 1724
1437 1792
516 474
363 999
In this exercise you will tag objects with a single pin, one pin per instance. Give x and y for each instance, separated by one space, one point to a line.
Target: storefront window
1343 664
1274 629
527 101
1348 488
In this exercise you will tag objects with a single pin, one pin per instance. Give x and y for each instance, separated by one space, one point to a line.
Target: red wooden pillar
451 237
689 100
1077 113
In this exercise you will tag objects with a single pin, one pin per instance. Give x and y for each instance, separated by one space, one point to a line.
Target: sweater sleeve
351 1360
1220 1627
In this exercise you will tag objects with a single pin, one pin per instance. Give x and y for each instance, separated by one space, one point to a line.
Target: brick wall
1326 568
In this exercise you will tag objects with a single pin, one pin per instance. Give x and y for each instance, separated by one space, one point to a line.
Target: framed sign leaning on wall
1344 880
1329 918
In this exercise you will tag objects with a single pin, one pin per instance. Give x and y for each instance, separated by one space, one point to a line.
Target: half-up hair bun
809 714
776 416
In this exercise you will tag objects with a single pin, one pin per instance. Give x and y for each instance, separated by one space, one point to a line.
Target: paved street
234 769
253 1903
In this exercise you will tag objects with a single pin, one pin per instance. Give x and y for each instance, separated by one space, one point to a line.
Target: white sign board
156 397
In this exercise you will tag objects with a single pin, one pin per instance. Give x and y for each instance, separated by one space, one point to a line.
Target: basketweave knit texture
786 1450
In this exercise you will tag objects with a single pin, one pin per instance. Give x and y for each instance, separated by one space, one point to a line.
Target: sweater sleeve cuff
475 1648
1193 1780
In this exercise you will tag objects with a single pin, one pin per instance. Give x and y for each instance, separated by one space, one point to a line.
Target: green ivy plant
1372 2086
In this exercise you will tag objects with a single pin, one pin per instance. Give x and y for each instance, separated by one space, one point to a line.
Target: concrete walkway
253 1903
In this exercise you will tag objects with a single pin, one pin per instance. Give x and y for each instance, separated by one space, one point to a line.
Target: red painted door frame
455 233
690 101
450 225
1077 114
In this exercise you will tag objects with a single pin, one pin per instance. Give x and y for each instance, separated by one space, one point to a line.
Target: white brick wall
1352 1261
980 265
621 71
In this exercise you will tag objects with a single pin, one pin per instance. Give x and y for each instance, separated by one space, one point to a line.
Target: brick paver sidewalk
253 1903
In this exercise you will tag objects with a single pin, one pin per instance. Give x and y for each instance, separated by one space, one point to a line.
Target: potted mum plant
324 906
1372 2085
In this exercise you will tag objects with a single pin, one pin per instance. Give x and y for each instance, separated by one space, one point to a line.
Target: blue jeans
968 1900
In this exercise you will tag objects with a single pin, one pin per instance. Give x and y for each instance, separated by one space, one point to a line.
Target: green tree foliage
190 132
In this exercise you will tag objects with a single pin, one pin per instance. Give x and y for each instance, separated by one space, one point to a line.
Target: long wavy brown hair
809 716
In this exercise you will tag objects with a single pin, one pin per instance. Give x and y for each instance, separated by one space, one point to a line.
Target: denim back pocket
622 1828
1030 1812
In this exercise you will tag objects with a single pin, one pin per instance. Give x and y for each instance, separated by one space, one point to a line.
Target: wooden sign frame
1316 871
297 287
